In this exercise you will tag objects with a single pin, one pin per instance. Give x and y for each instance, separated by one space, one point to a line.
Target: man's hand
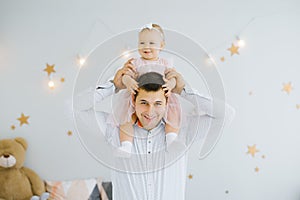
172 73
128 69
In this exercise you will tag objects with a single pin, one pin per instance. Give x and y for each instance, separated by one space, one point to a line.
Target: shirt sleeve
209 117
85 115
204 105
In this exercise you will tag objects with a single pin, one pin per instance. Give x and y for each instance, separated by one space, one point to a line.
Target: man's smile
149 118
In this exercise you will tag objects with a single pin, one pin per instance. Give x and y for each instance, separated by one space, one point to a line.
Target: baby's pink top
143 66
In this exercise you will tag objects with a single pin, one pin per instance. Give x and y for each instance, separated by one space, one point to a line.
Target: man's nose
150 109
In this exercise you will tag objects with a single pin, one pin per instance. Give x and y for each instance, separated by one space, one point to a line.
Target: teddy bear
16 181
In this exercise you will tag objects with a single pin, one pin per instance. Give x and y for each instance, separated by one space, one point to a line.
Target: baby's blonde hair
155 27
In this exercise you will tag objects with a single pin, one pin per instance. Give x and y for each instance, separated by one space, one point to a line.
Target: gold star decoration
233 49
190 176
256 169
252 150
70 133
62 79
12 127
49 69
23 119
222 59
287 87
298 106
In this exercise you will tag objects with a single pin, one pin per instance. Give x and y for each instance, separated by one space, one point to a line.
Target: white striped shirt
151 173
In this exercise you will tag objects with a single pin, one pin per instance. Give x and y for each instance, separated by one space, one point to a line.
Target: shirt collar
139 124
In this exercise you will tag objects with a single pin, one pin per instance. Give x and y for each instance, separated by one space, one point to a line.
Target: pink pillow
71 190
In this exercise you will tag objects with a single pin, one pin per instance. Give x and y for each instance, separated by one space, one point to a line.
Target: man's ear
162 45
133 99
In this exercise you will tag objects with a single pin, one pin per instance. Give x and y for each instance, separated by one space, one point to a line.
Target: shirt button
149 142
149 152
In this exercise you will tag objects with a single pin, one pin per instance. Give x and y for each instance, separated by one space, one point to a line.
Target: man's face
150 107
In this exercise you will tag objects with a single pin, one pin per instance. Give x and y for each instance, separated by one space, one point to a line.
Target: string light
51 84
81 61
210 60
240 42
126 54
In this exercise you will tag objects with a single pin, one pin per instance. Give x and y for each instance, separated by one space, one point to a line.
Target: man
152 172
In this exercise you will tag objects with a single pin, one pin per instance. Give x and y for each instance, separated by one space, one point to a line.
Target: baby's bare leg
126 132
126 135
171 129
171 133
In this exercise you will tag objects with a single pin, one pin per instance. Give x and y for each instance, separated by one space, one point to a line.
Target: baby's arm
128 79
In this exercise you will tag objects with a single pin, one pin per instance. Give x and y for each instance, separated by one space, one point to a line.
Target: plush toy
18 182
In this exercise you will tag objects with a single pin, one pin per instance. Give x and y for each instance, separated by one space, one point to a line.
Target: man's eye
152 43
158 104
142 42
143 103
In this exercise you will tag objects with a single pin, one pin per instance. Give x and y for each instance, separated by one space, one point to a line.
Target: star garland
50 70
252 150
234 49
287 87
23 119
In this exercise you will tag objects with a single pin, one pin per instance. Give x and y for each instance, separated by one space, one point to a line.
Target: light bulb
125 54
210 60
241 43
51 84
81 61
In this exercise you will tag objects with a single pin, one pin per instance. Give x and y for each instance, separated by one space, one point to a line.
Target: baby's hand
132 74
130 83
131 69
169 86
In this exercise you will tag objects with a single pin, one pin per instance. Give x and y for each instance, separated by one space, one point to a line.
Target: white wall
33 33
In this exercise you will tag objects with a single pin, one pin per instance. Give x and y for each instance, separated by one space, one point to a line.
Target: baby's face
150 44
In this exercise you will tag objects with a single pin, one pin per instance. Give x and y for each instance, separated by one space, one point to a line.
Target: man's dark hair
151 87
150 82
